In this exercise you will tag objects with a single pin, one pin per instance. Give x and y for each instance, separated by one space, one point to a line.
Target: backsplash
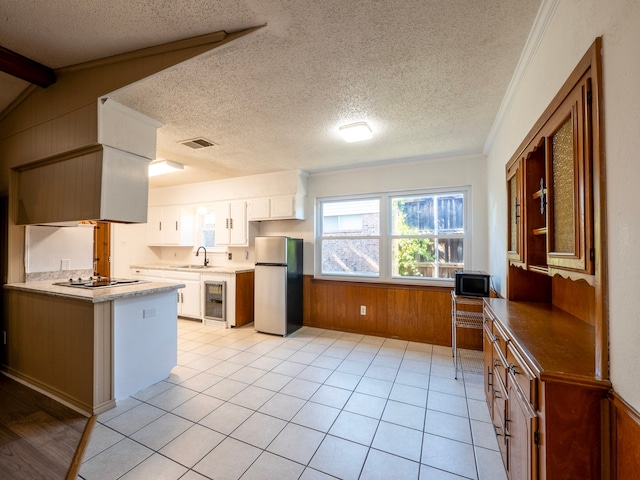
58 275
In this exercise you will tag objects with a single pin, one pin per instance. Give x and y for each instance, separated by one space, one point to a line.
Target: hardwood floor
39 437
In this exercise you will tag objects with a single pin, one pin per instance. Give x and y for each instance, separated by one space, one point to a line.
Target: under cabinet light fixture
164 166
356 132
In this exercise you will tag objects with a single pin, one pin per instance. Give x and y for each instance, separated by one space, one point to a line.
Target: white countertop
96 295
197 268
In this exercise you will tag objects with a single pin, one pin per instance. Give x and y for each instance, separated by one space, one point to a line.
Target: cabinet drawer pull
512 369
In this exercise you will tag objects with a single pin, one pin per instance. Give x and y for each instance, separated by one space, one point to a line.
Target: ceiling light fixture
356 132
164 166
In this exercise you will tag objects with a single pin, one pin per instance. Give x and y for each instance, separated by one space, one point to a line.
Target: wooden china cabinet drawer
498 418
519 372
501 338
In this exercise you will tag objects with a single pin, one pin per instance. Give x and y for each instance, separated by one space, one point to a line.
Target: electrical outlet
363 310
229 256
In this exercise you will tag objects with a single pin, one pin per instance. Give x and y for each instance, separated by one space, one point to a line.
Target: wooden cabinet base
552 416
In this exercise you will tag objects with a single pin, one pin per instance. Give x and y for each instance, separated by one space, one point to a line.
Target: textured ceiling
427 75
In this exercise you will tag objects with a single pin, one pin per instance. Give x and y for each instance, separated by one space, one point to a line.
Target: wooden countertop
556 343
97 295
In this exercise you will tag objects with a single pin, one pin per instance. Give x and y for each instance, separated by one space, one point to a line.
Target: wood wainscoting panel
244 298
61 346
407 312
625 439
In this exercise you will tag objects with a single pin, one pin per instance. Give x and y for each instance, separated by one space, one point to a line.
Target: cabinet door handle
231 223
182 298
227 224
517 212
495 429
496 394
512 369
176 225
160 226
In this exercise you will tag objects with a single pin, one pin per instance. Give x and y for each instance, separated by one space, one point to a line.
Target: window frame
386 236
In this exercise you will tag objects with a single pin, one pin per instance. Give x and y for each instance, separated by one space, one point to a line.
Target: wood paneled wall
62 346
625 439
407 312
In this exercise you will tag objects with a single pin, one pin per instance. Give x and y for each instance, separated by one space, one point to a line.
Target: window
393 237
350 241
427 235
206 226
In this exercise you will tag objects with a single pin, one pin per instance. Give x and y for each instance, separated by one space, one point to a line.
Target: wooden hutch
545 345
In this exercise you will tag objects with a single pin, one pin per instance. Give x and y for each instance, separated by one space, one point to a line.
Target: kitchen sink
190 266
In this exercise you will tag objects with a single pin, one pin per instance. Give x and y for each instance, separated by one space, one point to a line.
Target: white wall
450 172
129 247
573 27
52 249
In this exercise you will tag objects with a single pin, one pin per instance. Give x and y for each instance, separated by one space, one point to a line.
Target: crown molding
538 30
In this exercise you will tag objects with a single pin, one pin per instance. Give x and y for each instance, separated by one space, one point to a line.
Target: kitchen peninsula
90 347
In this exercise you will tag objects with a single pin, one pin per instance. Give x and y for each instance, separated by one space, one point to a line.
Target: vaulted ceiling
427 75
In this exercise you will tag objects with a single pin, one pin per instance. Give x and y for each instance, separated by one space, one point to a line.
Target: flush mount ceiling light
164 166
356 132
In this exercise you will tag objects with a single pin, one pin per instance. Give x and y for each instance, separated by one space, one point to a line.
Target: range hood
107 181
103 184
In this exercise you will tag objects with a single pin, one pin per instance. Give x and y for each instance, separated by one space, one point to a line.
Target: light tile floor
318 404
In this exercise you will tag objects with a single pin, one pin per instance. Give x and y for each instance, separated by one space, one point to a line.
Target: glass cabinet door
569 184
515 252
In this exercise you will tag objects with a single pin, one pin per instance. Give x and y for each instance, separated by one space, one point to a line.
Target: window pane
355 257
450 256
412 215
208 235
451 213
351 218
413 257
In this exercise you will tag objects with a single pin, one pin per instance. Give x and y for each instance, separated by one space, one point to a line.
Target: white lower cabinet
189 305
188 298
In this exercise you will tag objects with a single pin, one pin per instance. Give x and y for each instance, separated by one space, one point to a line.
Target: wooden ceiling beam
26 69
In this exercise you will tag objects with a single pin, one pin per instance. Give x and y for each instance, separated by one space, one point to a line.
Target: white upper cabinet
232 227
170 225
281 207
259 209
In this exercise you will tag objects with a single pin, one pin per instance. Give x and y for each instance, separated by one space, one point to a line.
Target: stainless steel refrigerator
278 285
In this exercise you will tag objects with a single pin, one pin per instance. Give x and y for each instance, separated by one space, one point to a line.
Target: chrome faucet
206 262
